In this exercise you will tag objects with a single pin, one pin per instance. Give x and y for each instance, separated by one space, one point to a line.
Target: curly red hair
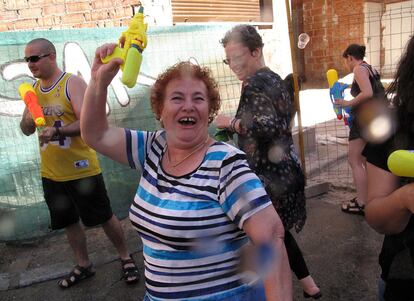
177 71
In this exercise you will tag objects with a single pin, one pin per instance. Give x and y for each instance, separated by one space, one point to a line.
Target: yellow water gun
401 163
134 41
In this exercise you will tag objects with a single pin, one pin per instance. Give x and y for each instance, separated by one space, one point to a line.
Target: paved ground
341 251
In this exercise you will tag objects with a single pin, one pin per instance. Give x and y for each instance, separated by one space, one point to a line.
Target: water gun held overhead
336 91
133 42
28 94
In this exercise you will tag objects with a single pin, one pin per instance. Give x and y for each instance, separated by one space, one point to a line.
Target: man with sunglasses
71 176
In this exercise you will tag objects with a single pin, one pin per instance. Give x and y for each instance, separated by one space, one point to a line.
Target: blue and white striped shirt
191 226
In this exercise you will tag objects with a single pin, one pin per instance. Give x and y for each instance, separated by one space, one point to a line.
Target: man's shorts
85 198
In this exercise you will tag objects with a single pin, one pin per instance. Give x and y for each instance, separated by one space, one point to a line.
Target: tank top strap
372 72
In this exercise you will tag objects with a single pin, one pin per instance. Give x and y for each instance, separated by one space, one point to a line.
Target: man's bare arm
27 124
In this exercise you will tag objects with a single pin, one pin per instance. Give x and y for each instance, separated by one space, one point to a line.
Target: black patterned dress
265 113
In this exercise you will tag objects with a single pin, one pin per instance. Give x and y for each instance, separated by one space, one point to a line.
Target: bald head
41 57
44 45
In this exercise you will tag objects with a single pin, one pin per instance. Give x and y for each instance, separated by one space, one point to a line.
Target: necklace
186 157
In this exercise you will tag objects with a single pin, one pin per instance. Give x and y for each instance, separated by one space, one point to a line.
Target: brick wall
332 26
57 14
383 26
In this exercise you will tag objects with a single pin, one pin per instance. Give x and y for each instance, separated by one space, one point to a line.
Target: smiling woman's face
240 60
185 112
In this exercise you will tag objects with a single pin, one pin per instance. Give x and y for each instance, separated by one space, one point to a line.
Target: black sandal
318 295
353 207
130 271
77 274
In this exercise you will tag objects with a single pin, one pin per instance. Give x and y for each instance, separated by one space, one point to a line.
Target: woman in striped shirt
198 204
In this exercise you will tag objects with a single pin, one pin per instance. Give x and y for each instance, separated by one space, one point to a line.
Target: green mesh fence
23 212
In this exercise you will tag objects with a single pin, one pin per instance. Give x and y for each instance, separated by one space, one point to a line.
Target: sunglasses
35 58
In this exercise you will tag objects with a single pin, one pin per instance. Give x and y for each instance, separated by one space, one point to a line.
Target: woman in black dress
262 123
366 84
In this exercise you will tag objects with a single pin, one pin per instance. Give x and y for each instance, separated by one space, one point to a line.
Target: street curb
4 281
9 281
315 190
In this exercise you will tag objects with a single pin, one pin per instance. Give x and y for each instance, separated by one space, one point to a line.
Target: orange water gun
28 94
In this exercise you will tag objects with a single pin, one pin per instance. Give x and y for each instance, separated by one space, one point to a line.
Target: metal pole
296 86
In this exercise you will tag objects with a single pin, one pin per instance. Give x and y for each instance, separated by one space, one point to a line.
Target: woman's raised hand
102 73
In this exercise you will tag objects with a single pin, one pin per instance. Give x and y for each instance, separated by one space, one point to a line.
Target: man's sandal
129 271
77 274
353 207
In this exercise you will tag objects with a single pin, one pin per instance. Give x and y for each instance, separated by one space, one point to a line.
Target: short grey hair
244 34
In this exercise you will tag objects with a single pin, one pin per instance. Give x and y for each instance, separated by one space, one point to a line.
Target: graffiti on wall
23 212
75 61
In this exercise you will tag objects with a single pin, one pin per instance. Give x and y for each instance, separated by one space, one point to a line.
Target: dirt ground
341 251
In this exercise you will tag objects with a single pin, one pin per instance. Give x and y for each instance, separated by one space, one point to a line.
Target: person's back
378 90
273 87
390 209
366 84
262 124
395 259
274 153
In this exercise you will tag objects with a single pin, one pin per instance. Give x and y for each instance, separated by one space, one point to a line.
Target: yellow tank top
67 158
